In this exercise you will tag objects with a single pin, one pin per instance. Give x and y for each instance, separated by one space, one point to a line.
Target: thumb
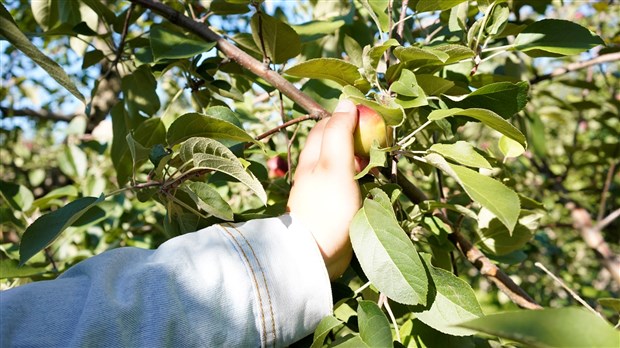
337 146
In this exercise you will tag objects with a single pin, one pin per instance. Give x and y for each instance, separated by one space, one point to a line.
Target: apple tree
489 215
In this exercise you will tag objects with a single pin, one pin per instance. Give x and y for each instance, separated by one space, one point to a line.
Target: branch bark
593 237
610 57
474 255
239 56
40 114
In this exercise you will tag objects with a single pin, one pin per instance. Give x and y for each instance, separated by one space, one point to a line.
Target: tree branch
474 255
284 125
610 57
594 239
239 56
40 114
401 21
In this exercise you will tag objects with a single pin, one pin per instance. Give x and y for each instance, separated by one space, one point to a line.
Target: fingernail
345 105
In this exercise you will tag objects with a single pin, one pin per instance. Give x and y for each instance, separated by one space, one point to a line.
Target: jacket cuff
291 283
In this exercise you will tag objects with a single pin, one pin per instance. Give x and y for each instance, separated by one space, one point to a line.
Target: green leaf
373 324
198 125
491 194
353 50
333 69
10 31
279 40
101 9
613 303
387 255
44 230
45 13
167 43
555 38
317 29
139 92
61 192
417 334
19 197
10 269
393 114
487 117
497 19
209 200
433 85
455 302
509 147
503 98
434 5
223 7
146 135
416 57
463 153
119 151
327 324
139 153
224 113
499 241
73 162
563 327
377 159
351 341
376 10
372 55
210 154
456 53
91 58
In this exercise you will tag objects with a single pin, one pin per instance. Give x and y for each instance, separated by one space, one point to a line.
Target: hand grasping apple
325 197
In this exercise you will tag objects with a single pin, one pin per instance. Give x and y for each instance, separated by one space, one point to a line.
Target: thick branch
594 239
239 56
41 114
611 57
474 255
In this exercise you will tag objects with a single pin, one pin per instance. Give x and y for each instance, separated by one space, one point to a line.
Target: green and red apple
370 128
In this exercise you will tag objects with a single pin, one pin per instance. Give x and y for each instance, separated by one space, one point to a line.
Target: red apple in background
370 127
277 166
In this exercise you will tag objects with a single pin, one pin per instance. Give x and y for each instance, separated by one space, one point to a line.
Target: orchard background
126 123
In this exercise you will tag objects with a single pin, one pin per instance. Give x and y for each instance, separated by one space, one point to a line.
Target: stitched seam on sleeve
273 319
256 286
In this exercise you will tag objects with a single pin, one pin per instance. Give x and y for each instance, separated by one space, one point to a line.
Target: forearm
258 283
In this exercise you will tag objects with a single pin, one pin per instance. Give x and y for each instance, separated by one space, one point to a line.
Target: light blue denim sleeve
259 283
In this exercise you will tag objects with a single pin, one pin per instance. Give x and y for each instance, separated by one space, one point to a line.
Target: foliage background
123 64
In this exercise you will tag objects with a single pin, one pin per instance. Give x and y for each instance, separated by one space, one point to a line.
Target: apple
277 167
370 128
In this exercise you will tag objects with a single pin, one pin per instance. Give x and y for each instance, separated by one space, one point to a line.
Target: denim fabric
259 283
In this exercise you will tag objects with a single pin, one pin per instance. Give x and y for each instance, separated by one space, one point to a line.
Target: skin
324 196
371 127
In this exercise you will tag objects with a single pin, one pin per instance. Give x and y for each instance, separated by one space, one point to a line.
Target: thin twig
607 220
383 299
288 154
401 22
404 141
121 44
570 291
603 203
285 125
361 288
